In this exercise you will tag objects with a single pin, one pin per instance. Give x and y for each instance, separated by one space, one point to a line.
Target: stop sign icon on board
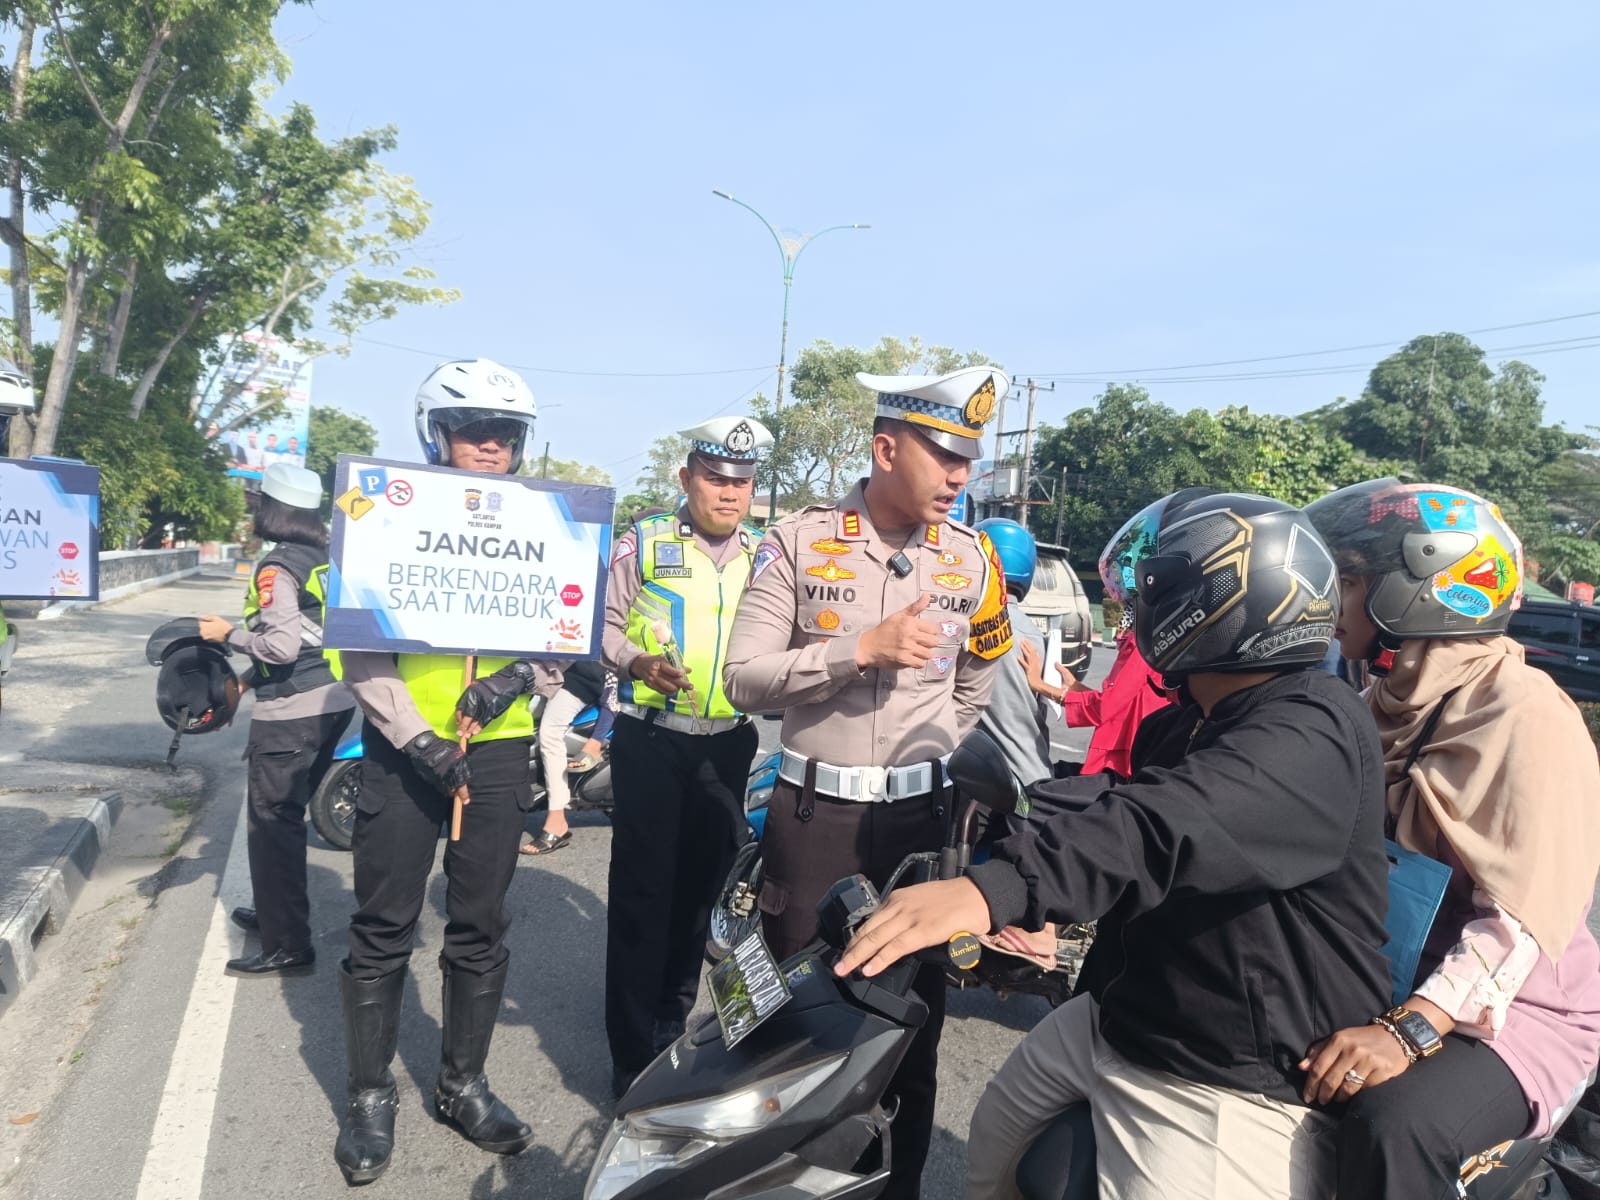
69 549
572 595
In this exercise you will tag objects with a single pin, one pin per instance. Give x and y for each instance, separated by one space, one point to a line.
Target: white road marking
175 1163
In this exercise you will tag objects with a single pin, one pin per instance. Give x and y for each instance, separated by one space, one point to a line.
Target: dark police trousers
287 761
806 847
677 823
398 818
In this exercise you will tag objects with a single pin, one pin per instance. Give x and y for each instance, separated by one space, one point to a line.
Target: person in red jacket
1132 690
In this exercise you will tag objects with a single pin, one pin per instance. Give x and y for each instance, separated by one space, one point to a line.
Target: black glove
488 698
439 761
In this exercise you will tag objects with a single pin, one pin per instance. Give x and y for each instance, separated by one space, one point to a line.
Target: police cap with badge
949 410
728 445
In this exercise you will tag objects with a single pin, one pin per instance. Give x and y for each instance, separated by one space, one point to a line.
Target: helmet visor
472 425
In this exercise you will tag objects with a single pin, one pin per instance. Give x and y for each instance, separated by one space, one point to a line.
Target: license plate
746 988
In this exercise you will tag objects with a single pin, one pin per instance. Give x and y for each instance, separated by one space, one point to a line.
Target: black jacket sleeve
1268 802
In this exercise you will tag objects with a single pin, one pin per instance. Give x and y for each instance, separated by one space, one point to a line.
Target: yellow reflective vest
682 586
436 681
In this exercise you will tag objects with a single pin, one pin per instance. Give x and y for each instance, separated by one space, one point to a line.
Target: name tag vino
746 989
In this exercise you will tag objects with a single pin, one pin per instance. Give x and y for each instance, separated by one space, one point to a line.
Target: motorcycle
333 804
736 913
780 1091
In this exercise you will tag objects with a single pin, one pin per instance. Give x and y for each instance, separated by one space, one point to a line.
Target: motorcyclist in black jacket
1239 879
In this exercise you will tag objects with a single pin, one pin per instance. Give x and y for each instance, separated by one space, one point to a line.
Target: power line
1239 362
1561 346
438 357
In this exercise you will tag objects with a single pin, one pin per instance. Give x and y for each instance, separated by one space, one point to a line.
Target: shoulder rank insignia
932 538
832 572
850 522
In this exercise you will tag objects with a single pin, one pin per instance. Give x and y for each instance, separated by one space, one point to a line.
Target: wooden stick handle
469 670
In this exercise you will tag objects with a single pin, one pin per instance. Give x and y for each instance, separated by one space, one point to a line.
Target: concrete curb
48 895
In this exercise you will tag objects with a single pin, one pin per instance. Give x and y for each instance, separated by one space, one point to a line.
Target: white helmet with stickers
469 392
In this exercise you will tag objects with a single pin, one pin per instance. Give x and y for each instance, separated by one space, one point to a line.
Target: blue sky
1069 189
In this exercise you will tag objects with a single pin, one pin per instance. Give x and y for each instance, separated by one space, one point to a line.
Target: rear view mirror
979 768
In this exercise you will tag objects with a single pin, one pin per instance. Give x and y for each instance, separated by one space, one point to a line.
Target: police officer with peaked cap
874 624
472 415
680 751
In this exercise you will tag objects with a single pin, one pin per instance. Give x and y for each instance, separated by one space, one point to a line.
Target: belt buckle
875 783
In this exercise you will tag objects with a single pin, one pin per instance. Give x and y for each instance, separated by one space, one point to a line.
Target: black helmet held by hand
1236 583
197 690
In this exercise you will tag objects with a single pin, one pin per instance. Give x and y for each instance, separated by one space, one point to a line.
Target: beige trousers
554 723
1157 1137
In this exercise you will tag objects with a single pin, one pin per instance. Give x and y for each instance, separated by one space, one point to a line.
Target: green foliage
1289 458
334 432
823 434
133 460
566 471
197 499
657 485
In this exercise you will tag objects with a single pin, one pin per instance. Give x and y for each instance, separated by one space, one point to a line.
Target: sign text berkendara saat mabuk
433 560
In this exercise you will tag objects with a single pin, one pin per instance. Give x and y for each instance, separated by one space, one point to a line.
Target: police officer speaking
477 416
680 751
874 624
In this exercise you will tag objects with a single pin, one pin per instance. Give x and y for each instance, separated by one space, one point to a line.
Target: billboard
261 368
49 529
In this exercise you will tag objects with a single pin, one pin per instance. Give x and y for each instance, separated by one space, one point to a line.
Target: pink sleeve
1082 708
1484 970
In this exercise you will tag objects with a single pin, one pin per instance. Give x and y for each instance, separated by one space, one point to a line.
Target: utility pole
1061 505
1027 450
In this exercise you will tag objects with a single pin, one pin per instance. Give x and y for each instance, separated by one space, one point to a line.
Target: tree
1118 456
823 434
658 484
333 432
566 471
1291 459
1437 410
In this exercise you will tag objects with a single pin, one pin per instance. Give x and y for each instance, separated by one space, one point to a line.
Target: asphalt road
151 1074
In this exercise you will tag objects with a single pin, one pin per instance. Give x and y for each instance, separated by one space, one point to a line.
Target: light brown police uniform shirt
624 583
822 578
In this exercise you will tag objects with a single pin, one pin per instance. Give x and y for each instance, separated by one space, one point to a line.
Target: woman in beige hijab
1490 771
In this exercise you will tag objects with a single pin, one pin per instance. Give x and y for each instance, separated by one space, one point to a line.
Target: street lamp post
790 246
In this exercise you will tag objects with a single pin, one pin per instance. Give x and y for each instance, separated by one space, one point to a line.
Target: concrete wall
128 572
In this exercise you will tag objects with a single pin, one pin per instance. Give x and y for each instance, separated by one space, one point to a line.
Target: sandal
545 842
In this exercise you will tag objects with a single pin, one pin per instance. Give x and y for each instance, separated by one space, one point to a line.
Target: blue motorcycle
333 804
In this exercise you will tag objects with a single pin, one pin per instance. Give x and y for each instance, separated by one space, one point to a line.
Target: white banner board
431 560
49 530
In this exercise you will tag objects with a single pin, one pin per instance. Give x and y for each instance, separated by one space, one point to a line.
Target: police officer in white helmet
473 415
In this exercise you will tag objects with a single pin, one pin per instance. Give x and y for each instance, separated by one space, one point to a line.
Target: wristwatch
1415 1029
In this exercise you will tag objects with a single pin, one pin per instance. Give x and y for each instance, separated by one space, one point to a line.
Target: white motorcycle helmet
466 392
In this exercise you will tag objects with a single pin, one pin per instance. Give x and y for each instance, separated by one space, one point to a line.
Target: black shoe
371 1033
245 919
279 962
463 1098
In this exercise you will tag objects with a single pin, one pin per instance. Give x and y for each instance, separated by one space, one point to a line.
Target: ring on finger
1354 1078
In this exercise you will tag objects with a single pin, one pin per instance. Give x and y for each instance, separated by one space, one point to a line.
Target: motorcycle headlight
669 1136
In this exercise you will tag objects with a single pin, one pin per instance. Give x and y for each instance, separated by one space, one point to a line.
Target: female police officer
474 416
301 712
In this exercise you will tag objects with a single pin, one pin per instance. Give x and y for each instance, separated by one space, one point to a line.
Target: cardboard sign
49 530
431 560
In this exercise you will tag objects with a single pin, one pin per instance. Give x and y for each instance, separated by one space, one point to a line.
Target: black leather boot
371 1034
463 1098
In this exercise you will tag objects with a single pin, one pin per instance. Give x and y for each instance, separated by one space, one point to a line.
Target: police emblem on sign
494 500
474 499
741 439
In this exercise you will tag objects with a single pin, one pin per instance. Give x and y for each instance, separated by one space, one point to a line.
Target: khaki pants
1157 1137
554 724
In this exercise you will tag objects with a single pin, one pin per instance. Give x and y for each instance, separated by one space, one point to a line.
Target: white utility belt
682 722
867 785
